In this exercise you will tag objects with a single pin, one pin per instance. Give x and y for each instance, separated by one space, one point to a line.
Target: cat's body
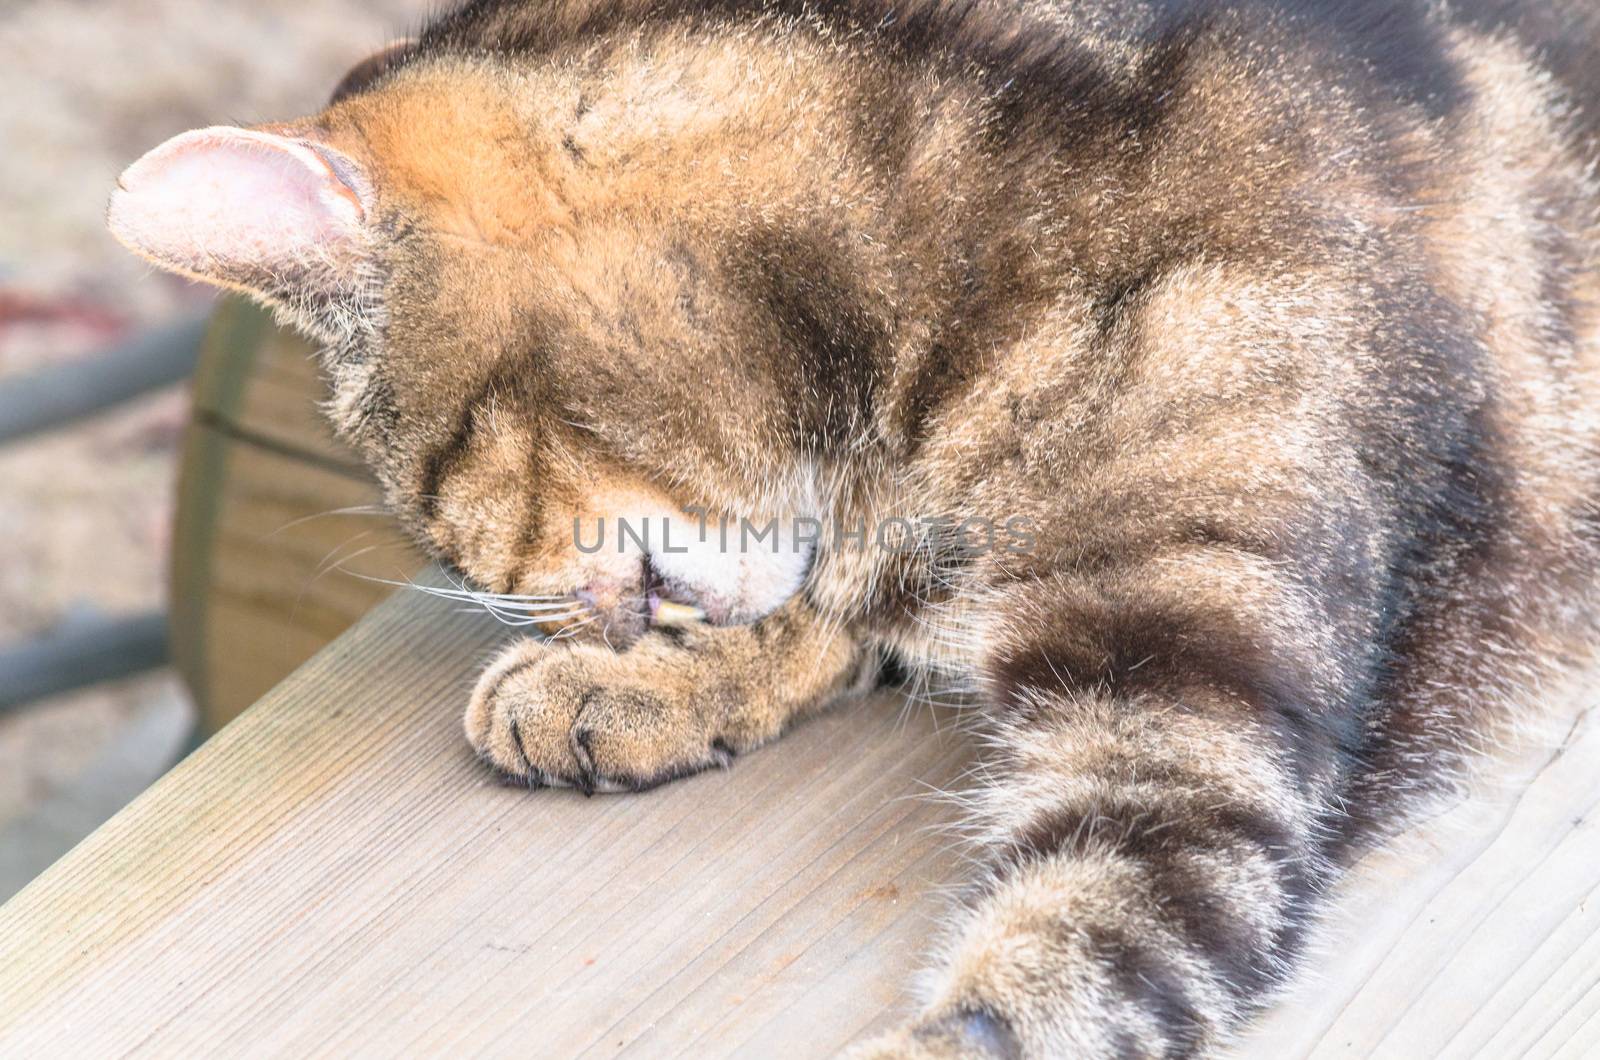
1274 323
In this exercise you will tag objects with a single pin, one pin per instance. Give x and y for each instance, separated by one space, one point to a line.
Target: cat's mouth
666 604
655 601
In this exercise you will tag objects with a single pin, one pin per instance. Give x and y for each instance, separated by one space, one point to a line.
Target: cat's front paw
587 717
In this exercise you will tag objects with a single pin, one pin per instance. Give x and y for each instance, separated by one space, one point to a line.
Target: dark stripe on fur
1162 839
1151 833
1154 986
828 350
1392 44
1122 649
445 457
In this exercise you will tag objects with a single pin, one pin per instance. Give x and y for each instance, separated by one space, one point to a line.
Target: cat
1266 329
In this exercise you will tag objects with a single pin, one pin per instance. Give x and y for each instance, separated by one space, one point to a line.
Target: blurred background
87 505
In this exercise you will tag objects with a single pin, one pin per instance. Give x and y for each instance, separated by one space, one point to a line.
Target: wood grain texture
259 566
262 382
334 875
1477 934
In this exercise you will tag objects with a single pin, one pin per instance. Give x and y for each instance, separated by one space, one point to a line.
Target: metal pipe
54 396
81 652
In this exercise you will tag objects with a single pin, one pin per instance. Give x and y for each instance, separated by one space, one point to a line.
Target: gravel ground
85 512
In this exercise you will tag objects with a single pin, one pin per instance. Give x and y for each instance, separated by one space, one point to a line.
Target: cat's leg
675 702
1157 789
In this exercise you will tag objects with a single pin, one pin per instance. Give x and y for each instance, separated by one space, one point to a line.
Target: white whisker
507 608
356 509
506 599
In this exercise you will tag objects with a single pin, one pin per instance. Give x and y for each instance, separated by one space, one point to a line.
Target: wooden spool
262 576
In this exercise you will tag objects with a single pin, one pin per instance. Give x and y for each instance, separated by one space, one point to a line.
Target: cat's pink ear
244 208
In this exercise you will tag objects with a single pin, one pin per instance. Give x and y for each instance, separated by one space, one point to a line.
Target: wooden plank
334 875
263 382
260 470
1478 932
267 566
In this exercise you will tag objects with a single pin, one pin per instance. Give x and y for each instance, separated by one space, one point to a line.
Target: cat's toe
516 725
631 738
581 717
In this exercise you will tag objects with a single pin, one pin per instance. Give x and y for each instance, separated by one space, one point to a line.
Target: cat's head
536 317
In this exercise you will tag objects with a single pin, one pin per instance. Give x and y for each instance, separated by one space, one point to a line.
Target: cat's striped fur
1275 318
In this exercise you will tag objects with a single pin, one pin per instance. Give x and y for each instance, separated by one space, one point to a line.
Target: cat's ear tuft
245 208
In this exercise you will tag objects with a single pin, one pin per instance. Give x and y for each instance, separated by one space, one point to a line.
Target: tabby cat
1269 327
